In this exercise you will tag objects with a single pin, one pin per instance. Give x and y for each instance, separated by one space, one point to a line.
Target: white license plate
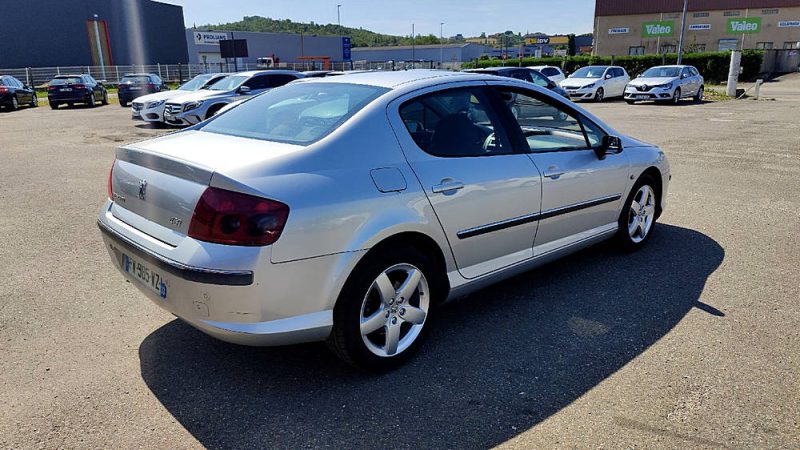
145 275
66 89
134 88
642 97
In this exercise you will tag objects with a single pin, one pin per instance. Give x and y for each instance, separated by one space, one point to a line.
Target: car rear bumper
258 303
77 97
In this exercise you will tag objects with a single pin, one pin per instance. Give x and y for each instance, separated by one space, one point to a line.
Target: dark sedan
14 93
134 85
71 89
523 73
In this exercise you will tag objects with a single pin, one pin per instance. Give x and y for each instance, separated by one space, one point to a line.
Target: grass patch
716 95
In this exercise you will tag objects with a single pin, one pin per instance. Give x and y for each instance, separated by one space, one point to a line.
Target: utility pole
683 31
339 17
413 41
441 43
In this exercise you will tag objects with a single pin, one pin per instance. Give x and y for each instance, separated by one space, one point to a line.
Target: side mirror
244 90
551 84
608 76
611 145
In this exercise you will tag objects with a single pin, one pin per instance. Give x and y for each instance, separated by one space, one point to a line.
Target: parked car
14 93
666 84
596 83
523 73
135 85
150 108
71 89
552 72
195 107
345 209
316 73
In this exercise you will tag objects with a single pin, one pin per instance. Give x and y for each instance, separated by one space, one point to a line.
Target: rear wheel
381 316
599 95
638 217
699 96
34 101
123 103
53 105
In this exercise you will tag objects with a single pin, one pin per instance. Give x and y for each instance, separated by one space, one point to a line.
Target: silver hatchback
347 209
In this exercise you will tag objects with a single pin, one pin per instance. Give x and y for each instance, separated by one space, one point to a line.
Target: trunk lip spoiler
183 271
162 163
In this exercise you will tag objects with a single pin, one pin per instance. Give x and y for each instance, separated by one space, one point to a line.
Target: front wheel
14 103
599 95
34 101
105 98
92 101
676 96
638 217
381 315
630 102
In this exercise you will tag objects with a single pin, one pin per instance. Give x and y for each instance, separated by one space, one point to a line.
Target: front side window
455 123
548 126
228 83
549 71
297 114
540 80
258 82
521 75
280 80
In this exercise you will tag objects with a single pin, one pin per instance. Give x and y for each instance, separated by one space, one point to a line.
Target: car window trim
516 129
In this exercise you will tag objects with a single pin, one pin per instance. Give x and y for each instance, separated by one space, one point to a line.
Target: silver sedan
347 209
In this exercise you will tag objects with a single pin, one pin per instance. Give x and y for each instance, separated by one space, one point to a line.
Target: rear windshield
296 113
228 83
195 83
662 72
137 79
66 80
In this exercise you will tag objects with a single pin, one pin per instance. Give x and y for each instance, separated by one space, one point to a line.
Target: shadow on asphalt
495 364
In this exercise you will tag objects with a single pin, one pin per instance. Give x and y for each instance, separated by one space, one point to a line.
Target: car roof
394 79
252 73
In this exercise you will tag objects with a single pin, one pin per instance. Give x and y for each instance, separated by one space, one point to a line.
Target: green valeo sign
658 28
748 25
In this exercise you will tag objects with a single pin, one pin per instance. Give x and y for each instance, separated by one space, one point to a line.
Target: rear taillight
110 173
3 89
233 218
151 86
52 88
79 86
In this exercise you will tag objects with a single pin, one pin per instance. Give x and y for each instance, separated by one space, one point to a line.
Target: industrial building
634 27
448 53
203 46
46 33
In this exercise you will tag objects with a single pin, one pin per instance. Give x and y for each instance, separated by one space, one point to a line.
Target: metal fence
177 73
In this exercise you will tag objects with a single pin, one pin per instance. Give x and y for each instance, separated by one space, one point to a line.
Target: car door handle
553 172
447 186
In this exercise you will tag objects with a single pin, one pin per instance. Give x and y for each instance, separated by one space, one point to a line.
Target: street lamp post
441 43
339 17
683 31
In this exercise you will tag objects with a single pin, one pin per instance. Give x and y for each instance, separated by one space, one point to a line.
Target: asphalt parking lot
692 342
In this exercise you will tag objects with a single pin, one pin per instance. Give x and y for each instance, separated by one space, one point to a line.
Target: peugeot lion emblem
142 189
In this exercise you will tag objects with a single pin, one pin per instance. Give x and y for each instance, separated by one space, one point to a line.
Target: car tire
676 96
53 105
34 101
700 93
123 103
637 220
366 303
70 104
14 103
92 101
630 102
212 111
599 95
105 98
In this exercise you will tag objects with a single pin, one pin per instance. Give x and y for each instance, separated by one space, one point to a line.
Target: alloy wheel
394 310
676 96
14 103
35 101
642 214
599 95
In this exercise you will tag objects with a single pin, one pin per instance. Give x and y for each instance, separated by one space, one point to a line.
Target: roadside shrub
712 65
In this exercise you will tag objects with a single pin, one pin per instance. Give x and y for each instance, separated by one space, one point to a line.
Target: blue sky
468 17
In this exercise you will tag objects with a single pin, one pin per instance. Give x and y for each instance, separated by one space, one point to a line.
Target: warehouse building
204 46
449 53
47 33
634 27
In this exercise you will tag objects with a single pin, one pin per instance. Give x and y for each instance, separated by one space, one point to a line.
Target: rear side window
280 80
694 71
296 114
550 71
540 80
455 123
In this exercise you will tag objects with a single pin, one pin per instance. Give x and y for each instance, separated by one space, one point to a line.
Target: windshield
195 83
296 113
228 83
135 79
662 72
589 72
66 80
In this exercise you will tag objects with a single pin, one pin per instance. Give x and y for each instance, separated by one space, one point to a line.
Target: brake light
110 172
151 86
79 86
233 218
3 89
52 88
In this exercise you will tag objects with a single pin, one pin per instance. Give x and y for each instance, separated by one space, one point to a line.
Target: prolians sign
657 29
748 25
788 23
699 26
619 30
